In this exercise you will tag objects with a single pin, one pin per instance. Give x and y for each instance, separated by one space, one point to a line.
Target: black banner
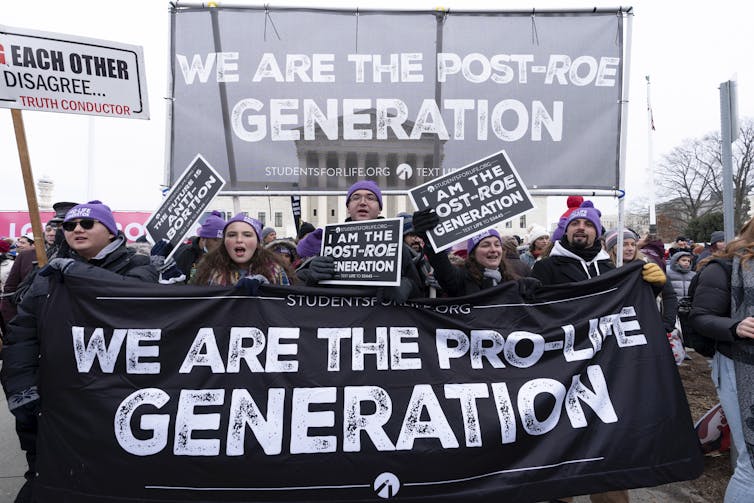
472 199
187 200
166 393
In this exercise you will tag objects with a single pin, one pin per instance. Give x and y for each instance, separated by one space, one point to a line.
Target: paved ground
12 460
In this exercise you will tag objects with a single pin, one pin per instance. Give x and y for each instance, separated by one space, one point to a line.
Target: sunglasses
85 224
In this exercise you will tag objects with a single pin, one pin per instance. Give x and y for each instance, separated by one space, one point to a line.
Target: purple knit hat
213 226
475 239
94 210
253 222
588 212
369 185
310 245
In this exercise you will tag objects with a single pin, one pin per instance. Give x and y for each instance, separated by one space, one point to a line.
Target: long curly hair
217 268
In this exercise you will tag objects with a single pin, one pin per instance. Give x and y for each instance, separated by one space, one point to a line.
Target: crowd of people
242 253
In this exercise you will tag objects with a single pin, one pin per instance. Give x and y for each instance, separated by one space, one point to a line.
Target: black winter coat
455 281
563 266
710 310
187 255
21 355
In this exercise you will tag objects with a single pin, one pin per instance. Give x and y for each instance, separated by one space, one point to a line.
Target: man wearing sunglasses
92 239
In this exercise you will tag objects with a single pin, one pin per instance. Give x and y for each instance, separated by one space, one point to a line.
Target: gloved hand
527 288
250 284
322 267
159 251
170 274
652 274
398 294
56 264
425 220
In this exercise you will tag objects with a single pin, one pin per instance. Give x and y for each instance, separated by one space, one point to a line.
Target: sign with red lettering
52 72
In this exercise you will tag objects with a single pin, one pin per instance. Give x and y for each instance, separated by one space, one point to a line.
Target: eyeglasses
370 198
85 224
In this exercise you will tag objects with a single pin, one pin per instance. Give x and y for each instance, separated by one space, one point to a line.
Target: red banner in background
17 223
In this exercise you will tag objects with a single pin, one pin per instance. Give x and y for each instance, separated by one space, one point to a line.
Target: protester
631 253
268 235
49 234
97 248
6 264
716 245
415 243
285 250
681 245
410 237
484 266
61 209
578 256
679 273
538 239
304 229
653 248
722 310
208 237
364 202
25 242
241 260
512 259
23 264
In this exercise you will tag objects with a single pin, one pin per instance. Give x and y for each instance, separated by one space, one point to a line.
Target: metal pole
727 160
651 163
627 17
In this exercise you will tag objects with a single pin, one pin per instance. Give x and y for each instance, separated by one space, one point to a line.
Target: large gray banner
300 100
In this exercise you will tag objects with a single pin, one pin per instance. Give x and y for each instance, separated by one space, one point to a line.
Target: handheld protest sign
53 72
472 199
366 252
185 203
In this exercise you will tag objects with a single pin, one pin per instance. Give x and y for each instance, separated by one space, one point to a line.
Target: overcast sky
688 49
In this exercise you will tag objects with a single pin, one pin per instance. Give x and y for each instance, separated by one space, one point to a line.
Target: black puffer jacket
21 355
710 311
187 256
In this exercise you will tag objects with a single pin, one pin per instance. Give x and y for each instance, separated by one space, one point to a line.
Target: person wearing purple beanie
208 237
95 248
242 259
363 202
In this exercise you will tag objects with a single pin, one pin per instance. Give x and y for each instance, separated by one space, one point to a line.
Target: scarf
494 275
741 306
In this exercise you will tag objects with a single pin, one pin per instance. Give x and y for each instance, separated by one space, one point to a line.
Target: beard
579 243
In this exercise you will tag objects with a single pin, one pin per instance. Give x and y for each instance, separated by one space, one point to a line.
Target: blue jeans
741 484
